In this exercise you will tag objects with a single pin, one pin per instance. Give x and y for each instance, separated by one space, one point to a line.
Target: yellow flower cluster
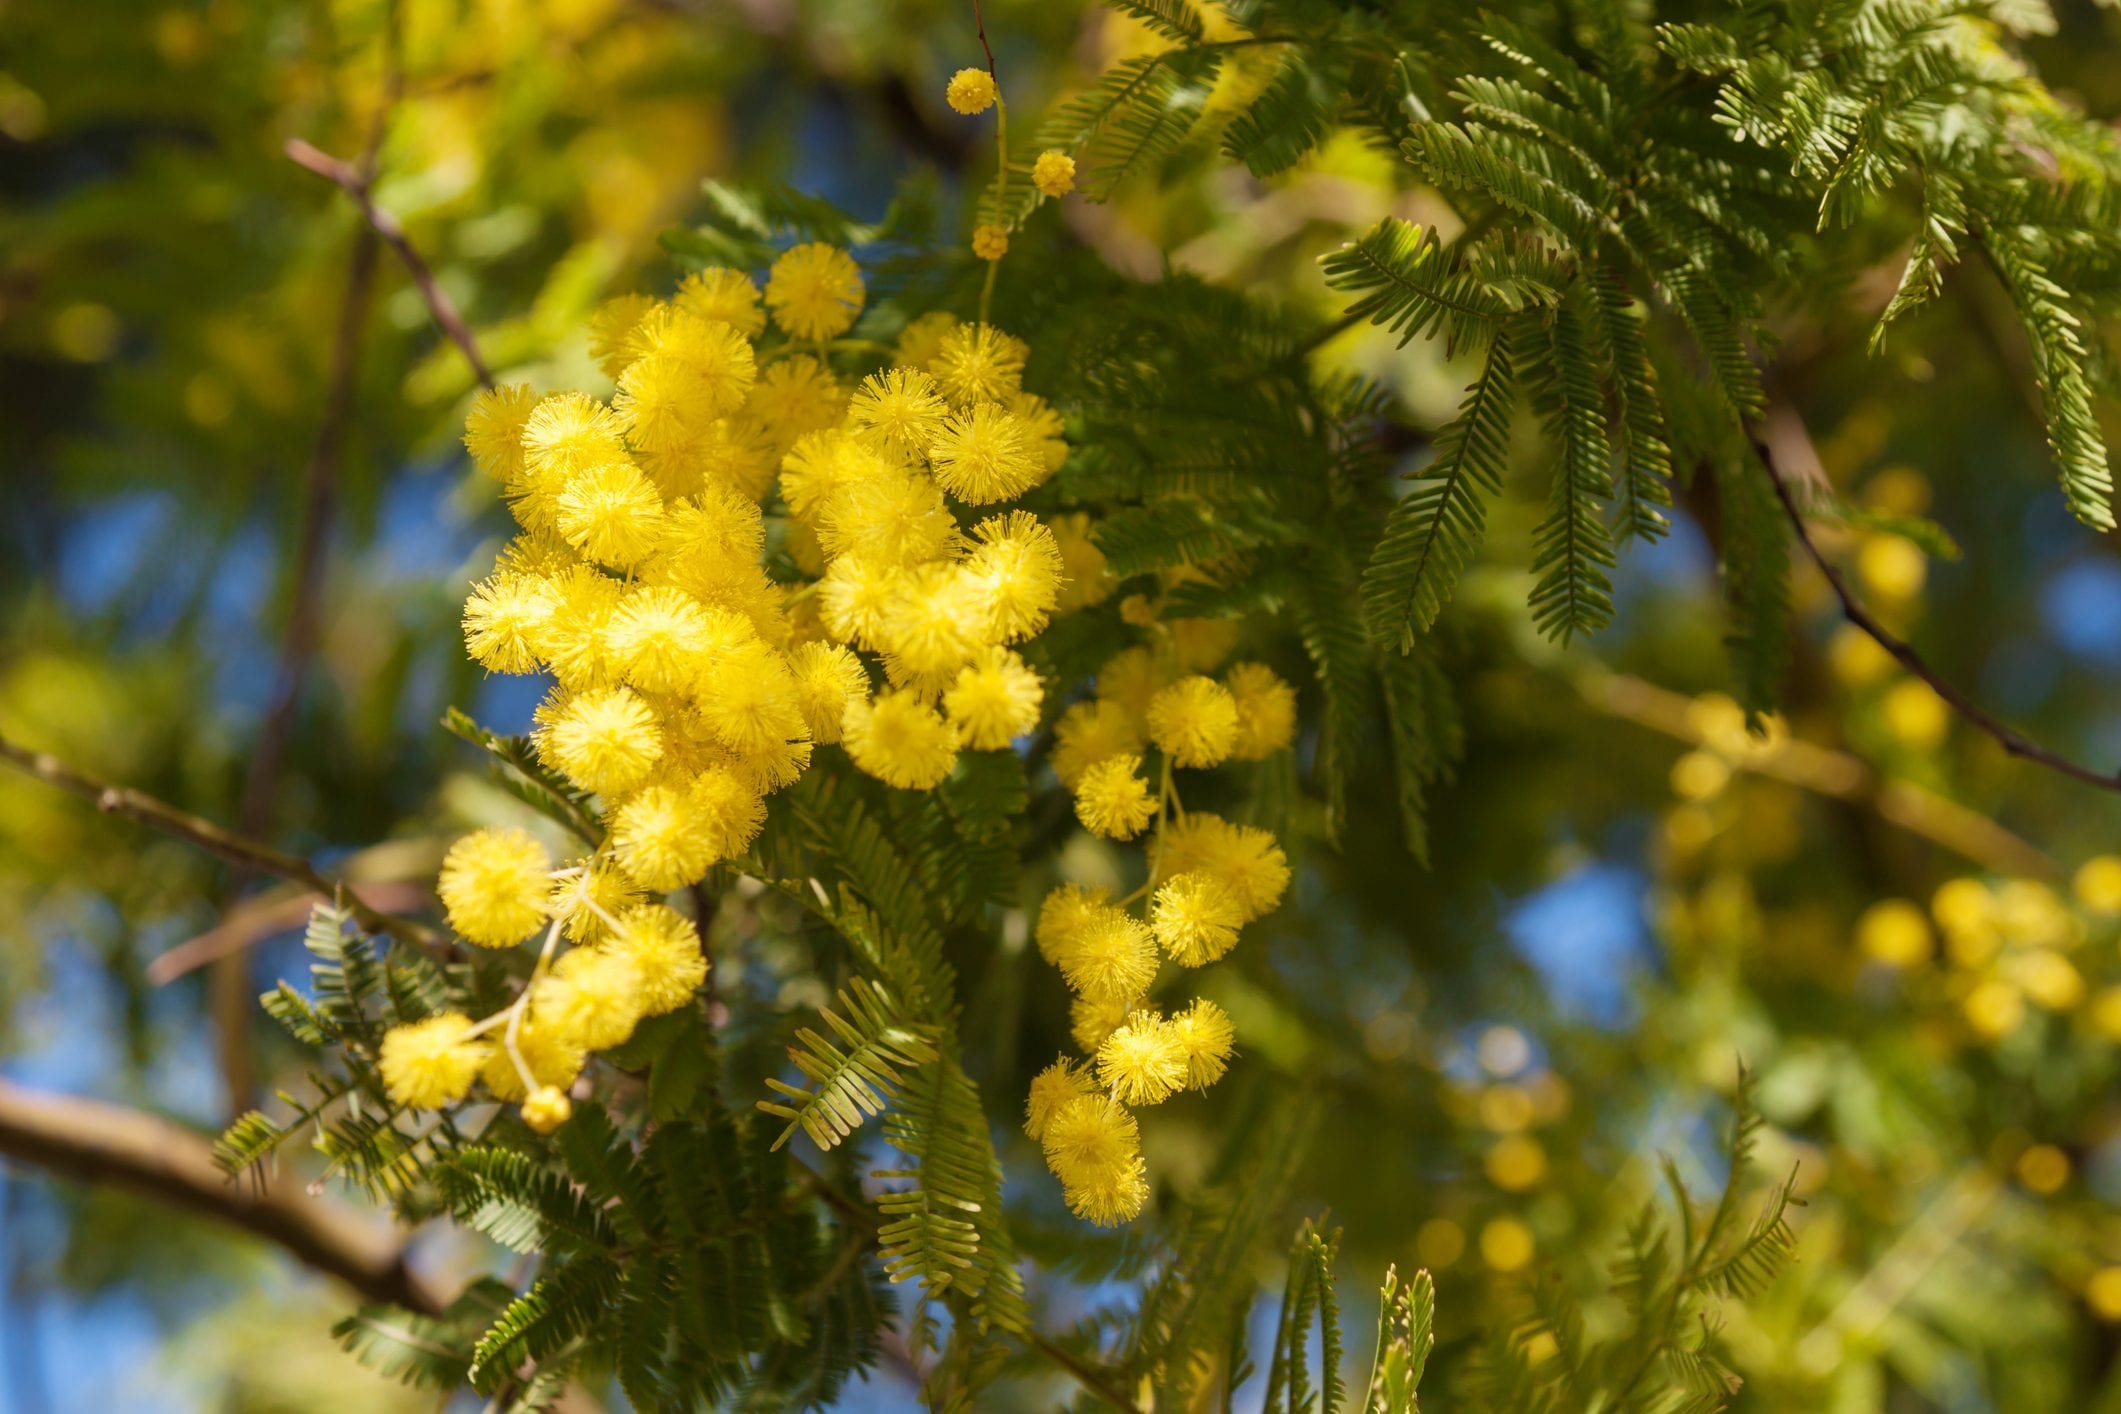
688 686
1207 878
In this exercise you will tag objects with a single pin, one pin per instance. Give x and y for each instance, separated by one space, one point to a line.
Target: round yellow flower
1894 932
900 740
978 363
1054 173
1111 958
815 291
1062 917
1195 919
994 701
971 91
1194 721
610 512
719 292
664 948
493 886
1089 1137
1266 710
546 1109
605 740
504 620
1205 1034
827 678
431 1063
1090 732
1015 574
1244 860
493 433
591 998
990 242
986 454
551 1060
1112 800
898 411
1143 1062
1052 1089
2098 885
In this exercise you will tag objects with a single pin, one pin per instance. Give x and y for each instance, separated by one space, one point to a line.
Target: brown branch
1834 774
349 178
243 853
95 1142
2008 737
260 917
979 21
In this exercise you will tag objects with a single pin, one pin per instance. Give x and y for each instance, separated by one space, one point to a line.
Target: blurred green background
1909 937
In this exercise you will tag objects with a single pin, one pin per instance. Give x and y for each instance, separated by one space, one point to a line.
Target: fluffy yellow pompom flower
1091 1020
667 835
1094 1145
546 1109
568 433
854 597
1132 677
605 740
721 293
922 338
1113 801
551 1060
431 1063
584 896
930 627
1110 1197
985 454
978 363
1195 919
1266 711
1084 582
613 326
1194 721
1015 573
994 701
900 740
695 371
971 91
493 433
822 465
797 395
1111 957
896 518
1052 1089
591 998
747 699
658 637
1204 1033
898 412
827 678
1062 916
504 619
990 242
1142 1062
573 641
1243 860
493 886
815 291
664 948
610 512
1090 732
1087 1135
1054 173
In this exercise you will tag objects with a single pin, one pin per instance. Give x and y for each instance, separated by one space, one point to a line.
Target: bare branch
244 853
100 1143
385 225
2008 737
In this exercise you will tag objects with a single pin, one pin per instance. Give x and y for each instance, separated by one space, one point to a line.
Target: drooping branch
95 1142
243 853
444 310
2008 737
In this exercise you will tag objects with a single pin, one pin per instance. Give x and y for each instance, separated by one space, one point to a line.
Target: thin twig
95 1142
237 850
979 22
385 225
2008 737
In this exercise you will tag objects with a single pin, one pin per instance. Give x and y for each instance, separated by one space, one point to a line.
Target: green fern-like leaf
1572 547
1433 531
854 1079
